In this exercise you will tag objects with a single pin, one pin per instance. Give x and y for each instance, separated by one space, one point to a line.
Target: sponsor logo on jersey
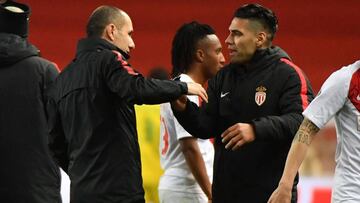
260 95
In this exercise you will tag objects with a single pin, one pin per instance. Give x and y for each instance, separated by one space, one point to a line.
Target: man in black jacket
254 110
27 172
92 117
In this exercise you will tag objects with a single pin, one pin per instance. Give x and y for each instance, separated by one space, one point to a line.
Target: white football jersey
177 175
339 97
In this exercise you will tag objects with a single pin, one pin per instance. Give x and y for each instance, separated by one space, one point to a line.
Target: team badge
260 95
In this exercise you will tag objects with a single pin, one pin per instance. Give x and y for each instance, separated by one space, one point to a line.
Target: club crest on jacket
260 95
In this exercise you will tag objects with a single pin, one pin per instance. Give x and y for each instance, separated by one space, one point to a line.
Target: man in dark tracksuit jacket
27 172
254 110
92 117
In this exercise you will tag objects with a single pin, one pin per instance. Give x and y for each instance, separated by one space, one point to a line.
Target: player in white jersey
339 97
188 161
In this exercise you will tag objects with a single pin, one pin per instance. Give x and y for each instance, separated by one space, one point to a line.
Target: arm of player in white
195 161
299 147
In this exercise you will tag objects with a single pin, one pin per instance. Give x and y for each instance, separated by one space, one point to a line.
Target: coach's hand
197 89
282 194
238 135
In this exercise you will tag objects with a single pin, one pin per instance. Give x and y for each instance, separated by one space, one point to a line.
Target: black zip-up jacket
93 127
27 172
270 93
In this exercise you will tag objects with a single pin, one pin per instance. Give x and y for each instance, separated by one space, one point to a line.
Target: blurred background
320 36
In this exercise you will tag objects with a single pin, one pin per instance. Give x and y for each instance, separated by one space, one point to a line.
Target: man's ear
261 39
110 32
199 55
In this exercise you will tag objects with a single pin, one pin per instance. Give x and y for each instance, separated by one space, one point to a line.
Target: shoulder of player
185 78
352 68
340 79
287 66
285 69
344 73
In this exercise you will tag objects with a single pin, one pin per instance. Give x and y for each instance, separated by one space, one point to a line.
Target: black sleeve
57 143
201 121
296 95
56 139
134 88
51 73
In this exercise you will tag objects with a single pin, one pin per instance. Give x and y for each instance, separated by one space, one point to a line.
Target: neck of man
266 45
196 74
263 47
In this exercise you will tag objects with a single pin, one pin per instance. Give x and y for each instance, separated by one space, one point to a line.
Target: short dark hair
264 16
100 18
185 43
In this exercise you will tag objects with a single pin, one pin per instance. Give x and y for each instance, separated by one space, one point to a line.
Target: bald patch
122 19
112 14
103 16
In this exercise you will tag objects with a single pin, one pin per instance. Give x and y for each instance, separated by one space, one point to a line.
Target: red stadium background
320 36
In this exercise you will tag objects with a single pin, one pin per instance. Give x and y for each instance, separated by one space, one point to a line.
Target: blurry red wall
320 36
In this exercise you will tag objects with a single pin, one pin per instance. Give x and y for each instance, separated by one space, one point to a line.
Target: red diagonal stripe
304 88
124 64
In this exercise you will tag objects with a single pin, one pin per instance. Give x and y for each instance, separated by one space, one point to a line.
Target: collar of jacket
96 43
14 48
262 58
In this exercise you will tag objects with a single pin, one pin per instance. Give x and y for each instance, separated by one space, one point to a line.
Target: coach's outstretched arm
132 87
200 122
299 147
